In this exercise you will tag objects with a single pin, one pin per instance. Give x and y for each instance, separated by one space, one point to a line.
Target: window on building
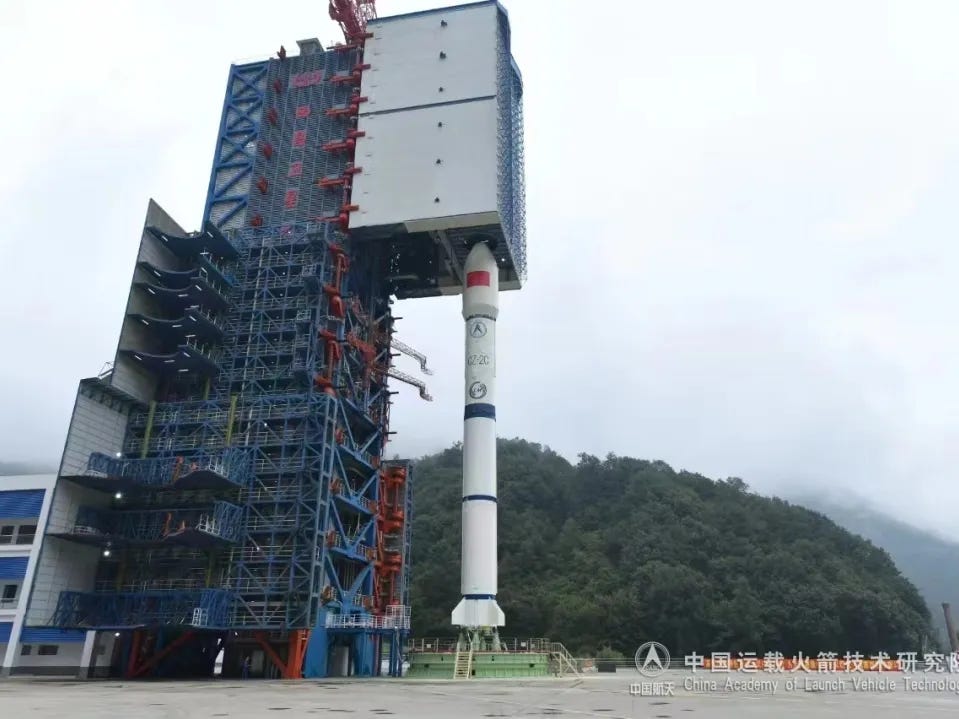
26 533
25 650
8 598
47 650
6 534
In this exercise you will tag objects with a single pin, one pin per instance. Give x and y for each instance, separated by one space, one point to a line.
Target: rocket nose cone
480 258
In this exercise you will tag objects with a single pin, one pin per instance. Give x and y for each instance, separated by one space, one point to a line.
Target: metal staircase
561 661
463 663
410 352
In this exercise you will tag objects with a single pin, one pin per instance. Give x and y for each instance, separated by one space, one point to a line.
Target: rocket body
478 579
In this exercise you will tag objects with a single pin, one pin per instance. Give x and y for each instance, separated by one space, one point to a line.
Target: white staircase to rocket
561 660
463 662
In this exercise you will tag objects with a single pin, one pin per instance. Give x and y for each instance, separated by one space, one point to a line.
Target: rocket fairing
478 607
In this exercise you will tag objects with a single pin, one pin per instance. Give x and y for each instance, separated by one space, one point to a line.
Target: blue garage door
20 503
13 567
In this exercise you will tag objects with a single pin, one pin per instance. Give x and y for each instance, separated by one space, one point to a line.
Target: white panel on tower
425 58
430 168
439 157
432 126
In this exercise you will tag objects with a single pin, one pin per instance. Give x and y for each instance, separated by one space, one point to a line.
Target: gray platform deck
594 696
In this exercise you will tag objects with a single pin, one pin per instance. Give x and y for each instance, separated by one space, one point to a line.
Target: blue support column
363 654
160 643
394 650
317 659
126 646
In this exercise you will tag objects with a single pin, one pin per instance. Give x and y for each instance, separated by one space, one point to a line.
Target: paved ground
596 696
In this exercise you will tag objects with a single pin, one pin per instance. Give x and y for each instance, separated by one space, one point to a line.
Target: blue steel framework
236 146
278 469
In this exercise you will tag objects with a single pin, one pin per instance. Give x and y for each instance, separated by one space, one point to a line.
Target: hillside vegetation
928 561
614 552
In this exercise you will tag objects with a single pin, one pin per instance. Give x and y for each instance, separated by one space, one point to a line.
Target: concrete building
24 505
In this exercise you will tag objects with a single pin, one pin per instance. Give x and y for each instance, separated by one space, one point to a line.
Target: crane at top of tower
352 16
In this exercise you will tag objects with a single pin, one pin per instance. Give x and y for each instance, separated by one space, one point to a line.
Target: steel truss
236 146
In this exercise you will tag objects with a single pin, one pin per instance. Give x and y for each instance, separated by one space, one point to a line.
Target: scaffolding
250 500
190 526
204 608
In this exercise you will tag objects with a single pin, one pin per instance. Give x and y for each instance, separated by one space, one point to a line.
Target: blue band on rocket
479 409
479 498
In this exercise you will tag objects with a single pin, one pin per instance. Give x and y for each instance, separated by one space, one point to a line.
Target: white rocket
478 607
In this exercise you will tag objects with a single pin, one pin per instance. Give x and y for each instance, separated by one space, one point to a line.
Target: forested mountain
619 551
928 561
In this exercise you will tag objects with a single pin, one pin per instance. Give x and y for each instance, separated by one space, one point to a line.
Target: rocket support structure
478 607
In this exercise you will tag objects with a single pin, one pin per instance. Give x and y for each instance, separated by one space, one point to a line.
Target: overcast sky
742 228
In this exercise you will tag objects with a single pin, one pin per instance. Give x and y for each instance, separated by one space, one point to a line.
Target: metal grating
511 192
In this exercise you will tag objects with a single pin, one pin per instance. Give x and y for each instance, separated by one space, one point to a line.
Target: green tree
608 553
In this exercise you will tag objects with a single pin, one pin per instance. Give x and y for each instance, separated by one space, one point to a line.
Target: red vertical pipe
134 653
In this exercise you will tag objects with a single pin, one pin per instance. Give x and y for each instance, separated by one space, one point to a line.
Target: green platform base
486 665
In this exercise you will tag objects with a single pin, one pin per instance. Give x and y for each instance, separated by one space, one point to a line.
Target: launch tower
223 486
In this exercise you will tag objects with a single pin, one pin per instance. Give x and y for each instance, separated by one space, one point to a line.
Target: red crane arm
352 16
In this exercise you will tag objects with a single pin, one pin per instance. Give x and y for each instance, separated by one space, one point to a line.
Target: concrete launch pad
594 696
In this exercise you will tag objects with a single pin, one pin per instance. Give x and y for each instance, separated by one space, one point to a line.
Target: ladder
463 663
562 660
